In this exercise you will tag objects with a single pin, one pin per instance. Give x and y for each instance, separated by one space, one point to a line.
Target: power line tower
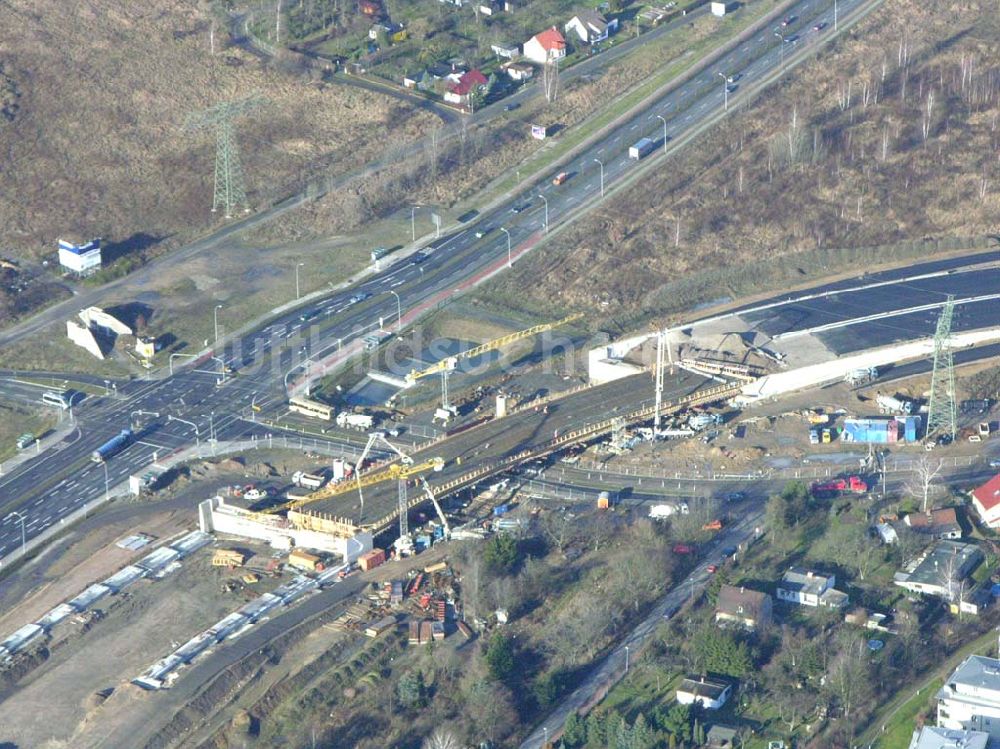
230 190
942 413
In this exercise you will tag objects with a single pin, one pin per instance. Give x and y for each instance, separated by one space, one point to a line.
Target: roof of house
804 581
988 495
935 737
929 568
551 39
702 686
721 737
977 671
467 81
740 601
591 18
935 521
523 67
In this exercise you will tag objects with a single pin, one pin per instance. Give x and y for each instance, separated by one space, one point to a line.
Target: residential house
546 46
808 588
439 70
519 71
940 570
986 500
506 50
970 698
743 607
467 84
939 524
711 693
590 26
935 737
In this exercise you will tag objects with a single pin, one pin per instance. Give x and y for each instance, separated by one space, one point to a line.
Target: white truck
662 512
640 148
347 420
890 404
307 480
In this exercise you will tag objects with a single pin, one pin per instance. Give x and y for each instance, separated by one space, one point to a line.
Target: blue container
500 510
438 533
423 542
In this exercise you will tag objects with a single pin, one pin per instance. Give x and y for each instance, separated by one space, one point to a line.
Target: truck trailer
347 420
641 148
112 446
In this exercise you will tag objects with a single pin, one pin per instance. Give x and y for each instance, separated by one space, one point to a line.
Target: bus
60 399
309 407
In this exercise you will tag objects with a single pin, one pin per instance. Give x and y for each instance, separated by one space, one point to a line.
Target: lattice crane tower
230 189
942 412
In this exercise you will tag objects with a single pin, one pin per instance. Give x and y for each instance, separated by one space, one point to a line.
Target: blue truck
114 445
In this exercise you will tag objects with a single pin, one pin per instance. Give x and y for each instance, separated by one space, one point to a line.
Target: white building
590 26
711 693
941 570
935 737
808 588
544 47
970 698
80 258
986 500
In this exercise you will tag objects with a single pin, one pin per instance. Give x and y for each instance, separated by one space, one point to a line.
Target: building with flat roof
808 588
941 569
970 698
935 737
83 259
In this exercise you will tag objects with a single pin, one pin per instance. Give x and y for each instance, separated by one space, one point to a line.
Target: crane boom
394 471
451 362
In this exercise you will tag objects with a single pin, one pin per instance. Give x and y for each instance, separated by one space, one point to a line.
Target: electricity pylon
942 413
230 190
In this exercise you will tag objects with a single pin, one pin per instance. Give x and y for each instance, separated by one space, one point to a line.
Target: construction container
604 501
439 567
423 542
372 559
303 560
227 558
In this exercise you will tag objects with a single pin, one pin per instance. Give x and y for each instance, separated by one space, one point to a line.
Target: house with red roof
546 46
467 83
986 500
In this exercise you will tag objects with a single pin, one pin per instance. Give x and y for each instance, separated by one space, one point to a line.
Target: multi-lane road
46 491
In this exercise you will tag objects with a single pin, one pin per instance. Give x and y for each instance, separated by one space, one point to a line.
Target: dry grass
800 173
94 97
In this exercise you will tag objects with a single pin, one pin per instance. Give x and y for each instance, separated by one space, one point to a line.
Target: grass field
899 728
798 172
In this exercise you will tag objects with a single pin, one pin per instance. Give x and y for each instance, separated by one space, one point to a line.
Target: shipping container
303 560
604 501
371 559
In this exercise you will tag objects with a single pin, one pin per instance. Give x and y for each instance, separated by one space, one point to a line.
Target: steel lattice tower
942 414
230 189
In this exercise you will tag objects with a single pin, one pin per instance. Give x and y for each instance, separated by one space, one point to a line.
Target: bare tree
441 739
925 479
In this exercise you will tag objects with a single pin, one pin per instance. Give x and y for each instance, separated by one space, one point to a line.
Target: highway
45 491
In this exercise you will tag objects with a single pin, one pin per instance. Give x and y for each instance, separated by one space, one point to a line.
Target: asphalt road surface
45 491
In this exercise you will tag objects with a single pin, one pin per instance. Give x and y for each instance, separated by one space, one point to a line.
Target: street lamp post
107 483
413 223
299 265
24 538
626 659
834 15
546 201
215 318
399 311
725 91
510 261
781 49
663 119
601 163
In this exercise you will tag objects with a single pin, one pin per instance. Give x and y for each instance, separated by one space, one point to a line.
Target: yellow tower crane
447 365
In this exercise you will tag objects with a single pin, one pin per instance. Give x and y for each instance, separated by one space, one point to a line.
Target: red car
712 568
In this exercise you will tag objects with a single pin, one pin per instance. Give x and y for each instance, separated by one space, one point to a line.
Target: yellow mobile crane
448 364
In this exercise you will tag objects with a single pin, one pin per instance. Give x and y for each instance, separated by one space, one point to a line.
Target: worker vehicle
853 484
560 178
60 399
640 148
827 437
113 446
482 232
347 420
813 437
